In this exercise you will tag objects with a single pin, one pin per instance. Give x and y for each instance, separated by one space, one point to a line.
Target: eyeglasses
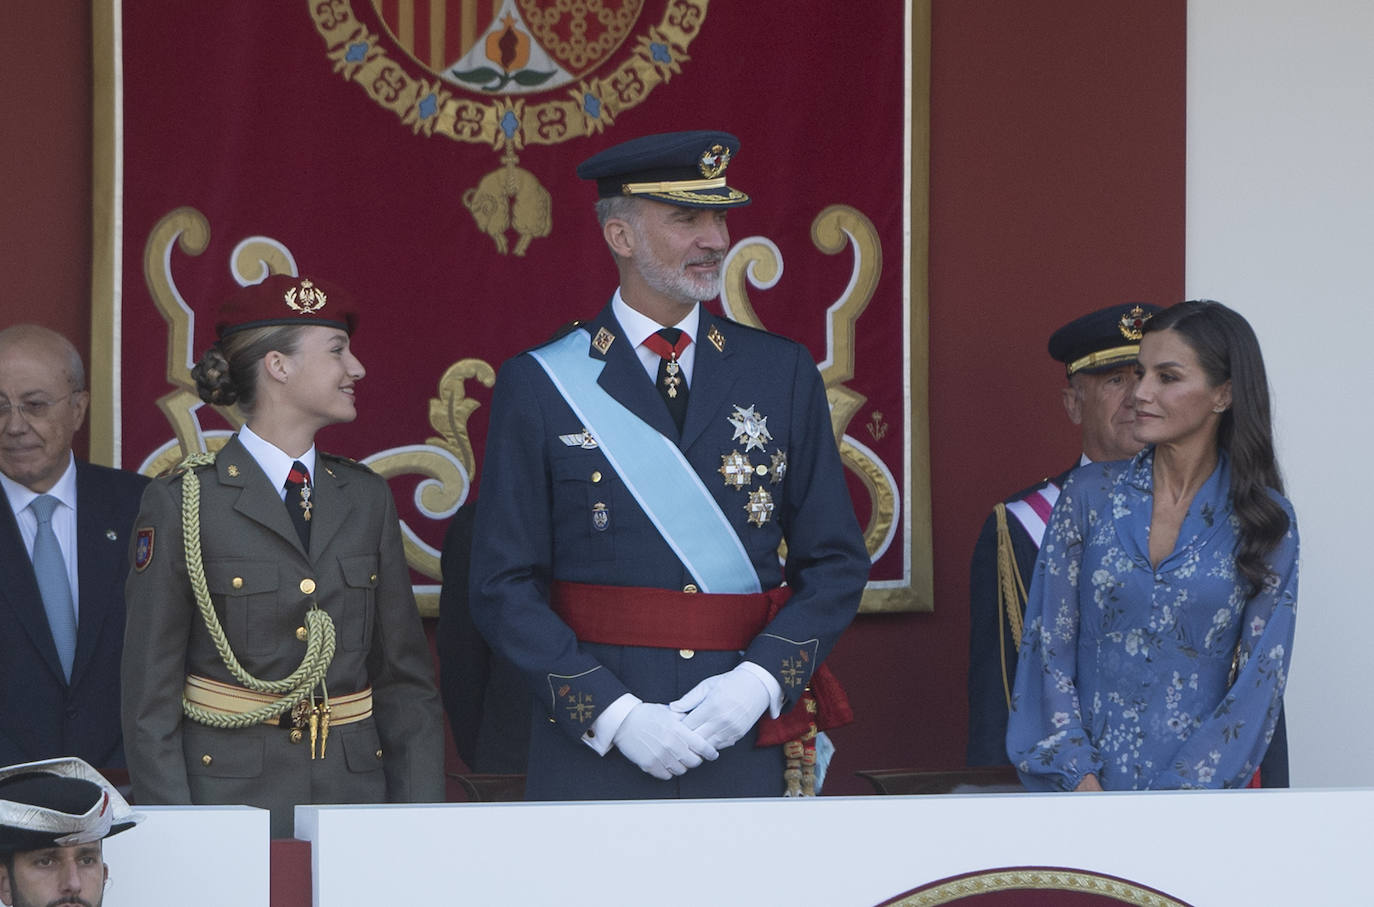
34 410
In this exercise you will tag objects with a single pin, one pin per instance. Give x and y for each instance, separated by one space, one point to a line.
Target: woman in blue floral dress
1159 625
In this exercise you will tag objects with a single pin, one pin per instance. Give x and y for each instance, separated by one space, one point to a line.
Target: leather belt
230 699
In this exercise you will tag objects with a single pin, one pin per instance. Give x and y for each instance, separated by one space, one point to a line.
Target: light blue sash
653 469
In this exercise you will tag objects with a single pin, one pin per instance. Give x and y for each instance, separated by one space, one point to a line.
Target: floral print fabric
1125 668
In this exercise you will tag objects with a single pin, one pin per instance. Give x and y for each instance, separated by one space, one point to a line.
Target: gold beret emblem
306 298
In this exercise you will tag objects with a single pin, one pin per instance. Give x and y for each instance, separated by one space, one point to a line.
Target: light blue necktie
51 570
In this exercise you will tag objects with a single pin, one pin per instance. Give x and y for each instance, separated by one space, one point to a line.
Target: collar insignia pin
603 340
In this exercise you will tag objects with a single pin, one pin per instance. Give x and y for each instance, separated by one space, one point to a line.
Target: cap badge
751 426
713 161
306 299
1132 323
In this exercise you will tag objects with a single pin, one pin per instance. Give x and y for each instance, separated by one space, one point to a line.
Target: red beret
284 299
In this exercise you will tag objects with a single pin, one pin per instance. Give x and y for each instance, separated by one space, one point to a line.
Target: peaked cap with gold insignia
686 169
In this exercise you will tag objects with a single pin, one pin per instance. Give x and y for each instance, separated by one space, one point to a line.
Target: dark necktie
54 587
298 502
669 343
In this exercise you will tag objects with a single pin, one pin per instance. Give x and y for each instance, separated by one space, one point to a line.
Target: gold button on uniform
686 653
308 586
596 476
238 582
206 759
301 633
690 587
295 736
372 578
379 754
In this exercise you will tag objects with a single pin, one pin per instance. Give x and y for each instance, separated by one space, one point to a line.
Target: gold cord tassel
1011 594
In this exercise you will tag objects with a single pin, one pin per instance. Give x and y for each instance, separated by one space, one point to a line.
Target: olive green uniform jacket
256 570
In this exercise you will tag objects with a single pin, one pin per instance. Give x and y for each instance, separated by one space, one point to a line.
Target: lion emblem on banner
509 75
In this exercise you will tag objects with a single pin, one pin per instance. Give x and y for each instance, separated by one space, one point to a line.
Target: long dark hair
1227 348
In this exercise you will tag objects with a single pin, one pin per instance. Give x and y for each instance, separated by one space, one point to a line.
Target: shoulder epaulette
344 461
193 461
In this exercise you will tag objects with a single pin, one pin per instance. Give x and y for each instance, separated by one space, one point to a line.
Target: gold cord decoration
1011 594
320 638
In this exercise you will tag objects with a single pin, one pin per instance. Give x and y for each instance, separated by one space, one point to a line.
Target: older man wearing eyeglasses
64 552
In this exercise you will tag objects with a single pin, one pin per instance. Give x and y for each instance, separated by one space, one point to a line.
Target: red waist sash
667 619
664 618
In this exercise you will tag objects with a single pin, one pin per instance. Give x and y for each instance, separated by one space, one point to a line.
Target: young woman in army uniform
273 652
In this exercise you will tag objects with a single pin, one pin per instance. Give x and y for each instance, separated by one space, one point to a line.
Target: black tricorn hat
57 803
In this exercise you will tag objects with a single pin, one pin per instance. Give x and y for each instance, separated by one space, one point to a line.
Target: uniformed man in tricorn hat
54 815
640 476
1098 351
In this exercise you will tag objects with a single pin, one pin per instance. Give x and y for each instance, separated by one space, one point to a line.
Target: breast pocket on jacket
587 507
246 593
353 625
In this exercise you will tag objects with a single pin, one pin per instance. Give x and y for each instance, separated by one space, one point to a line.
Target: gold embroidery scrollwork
447 462
758 262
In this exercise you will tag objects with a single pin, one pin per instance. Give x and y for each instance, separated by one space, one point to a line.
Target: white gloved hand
656 739
723 707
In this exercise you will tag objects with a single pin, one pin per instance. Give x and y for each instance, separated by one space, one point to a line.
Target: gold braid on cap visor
1105 357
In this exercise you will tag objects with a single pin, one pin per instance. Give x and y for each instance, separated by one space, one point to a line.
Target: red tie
298 501
669 343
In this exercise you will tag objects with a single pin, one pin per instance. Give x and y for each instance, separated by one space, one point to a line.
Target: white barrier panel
1209 849
210 856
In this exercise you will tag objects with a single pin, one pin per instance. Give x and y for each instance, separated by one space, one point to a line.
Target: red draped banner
421 153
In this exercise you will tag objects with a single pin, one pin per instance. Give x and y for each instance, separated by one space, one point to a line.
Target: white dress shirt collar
275 462
65 489
637 326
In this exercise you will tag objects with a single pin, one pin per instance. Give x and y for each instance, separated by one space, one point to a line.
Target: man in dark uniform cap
53 816
640 475
1099 352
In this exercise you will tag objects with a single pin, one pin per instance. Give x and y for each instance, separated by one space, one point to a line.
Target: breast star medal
760 506
736 469
779 469
751 426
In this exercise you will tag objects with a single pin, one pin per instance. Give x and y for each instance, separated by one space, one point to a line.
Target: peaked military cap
686 169
285 299
1101 340
57 803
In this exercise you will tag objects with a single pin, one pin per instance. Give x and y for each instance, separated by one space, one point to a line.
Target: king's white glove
656 739
723 707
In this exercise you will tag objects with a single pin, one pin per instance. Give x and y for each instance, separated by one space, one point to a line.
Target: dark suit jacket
487 702
41 715
549 510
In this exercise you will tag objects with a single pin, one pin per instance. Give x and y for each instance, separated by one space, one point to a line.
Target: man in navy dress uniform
640 475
